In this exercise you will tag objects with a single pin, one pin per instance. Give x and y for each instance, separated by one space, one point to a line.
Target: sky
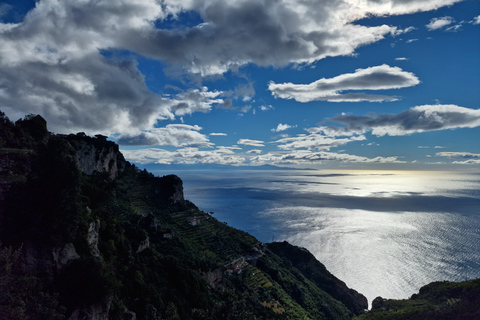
318 84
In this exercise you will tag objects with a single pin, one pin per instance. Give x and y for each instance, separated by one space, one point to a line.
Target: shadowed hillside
87 235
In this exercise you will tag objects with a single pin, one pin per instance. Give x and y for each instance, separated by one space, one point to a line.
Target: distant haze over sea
385 233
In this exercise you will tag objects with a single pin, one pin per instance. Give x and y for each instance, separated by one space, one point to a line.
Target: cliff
87 235
96 154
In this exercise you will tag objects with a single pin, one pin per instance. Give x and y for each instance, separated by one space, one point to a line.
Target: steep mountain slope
87 235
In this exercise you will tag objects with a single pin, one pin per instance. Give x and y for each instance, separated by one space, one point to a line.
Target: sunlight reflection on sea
384 233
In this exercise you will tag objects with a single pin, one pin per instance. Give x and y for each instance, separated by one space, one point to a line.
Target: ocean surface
384 233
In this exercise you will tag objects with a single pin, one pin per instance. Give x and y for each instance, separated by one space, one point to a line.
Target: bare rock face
177 196
63 255
145 244
90 159
170 188
97 154
215 279
93 236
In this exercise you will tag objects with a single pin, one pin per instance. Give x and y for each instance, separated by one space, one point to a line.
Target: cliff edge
87 235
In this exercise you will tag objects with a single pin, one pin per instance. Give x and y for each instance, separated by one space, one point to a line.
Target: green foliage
435 301
24 296
25 133
83 282
54 207
312 269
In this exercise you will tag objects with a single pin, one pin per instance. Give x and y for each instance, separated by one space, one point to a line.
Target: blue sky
312 84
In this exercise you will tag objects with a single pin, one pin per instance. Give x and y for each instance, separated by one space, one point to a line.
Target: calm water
384 233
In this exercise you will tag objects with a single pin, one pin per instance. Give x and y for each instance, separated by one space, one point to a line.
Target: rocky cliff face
97 154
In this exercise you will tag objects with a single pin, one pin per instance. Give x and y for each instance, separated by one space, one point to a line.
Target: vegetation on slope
130 246
436 301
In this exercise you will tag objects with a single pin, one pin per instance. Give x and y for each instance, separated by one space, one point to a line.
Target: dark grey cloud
85 94
417 119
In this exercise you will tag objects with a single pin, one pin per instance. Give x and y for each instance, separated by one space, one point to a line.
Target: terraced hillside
86 235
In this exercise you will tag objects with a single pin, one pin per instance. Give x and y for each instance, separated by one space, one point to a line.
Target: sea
384 233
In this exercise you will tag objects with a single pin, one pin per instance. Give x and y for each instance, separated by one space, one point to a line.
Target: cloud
266 107
246 108
314 141
55 62
476 20
397 7
253 143
177 135
470 161
5 8
468 158
195 100
439 23
459 155
305 157
418 119
443 22
401 59
227 150
374 78
282 127
245 92
218 134
182 156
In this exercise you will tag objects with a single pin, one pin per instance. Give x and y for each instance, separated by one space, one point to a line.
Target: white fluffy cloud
464 157
182 156
374 78
282 127
194 100
252 143
315 141
308 157
177 135
439 23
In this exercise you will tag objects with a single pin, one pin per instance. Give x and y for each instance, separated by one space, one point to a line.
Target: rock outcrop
97 154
